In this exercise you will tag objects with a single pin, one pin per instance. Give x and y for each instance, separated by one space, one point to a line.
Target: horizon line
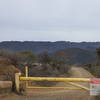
47 41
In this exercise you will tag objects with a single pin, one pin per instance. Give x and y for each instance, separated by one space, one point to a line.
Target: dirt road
58 94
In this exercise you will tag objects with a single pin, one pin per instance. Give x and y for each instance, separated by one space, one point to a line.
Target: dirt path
80 72
58 94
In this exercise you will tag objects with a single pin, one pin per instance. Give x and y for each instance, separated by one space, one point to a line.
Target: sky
50 20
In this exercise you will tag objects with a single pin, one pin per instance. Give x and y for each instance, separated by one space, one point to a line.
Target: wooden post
26 71
26 74
17 82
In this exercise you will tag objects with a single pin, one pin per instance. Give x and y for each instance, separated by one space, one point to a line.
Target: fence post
17 82
26 74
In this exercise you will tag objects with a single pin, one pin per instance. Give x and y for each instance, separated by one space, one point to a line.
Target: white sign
95 87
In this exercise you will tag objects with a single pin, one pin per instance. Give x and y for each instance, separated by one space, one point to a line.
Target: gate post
26 74
17 82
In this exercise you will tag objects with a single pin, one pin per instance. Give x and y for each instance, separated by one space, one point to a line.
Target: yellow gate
70 81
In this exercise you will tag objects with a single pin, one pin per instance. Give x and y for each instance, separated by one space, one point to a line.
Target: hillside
38 47
76 55
73 52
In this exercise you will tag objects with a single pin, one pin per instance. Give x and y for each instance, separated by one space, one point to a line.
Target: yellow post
17 82
26 74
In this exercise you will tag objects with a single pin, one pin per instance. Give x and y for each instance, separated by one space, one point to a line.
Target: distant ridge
39 46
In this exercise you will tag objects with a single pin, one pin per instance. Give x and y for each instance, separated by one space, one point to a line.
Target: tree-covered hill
38 46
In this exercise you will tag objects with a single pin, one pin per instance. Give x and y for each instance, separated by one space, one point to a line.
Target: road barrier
56 79
94 83
70 81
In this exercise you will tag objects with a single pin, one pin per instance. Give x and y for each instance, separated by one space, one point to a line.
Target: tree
44 58
13 56
28 57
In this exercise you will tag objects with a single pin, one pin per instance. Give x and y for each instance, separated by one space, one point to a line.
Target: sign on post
95 87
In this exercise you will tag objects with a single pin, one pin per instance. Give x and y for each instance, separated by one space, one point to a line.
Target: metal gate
72 81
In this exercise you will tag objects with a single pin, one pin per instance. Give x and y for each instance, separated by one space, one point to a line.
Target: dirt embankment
7 76
58 94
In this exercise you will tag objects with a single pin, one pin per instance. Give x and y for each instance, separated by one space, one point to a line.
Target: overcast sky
50 20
